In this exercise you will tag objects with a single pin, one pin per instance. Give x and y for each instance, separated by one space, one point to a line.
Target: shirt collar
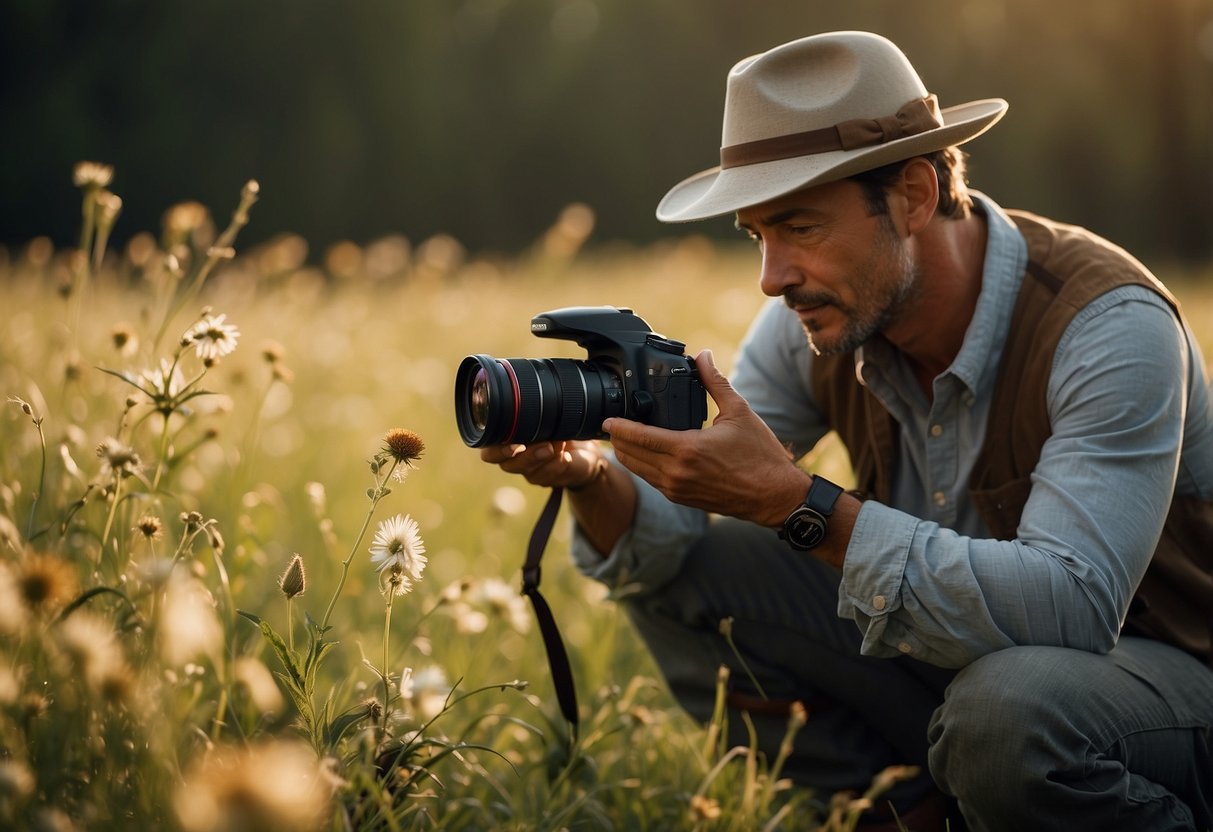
1002 273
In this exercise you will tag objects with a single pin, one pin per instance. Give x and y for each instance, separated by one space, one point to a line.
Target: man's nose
778 272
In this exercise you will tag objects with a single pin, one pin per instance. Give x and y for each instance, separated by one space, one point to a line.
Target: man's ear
919 191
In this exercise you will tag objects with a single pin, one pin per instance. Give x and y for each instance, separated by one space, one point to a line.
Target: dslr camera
631 372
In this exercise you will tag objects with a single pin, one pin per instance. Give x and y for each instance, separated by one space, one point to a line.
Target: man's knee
1000 723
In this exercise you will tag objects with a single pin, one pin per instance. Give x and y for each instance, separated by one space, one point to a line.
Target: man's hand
549 464
736 466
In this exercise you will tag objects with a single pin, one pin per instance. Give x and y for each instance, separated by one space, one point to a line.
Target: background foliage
483 118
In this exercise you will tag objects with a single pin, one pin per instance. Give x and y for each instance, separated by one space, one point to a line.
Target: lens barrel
524 400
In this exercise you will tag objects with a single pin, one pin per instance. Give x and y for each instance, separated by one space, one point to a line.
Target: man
1027 416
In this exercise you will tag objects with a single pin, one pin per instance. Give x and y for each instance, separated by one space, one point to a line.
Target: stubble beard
884 285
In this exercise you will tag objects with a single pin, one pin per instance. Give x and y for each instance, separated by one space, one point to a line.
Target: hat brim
714 192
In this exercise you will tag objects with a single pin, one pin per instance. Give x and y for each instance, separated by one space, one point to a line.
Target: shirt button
940 498
905 647
937 430
879 603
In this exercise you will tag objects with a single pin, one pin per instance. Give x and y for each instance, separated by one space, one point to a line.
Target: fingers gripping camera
631 372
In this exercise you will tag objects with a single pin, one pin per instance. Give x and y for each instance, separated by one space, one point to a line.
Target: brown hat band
918 116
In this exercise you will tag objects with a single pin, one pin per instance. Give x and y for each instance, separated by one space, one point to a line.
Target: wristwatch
806 526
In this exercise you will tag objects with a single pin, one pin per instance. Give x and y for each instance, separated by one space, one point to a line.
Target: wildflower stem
88 212
387 625
225 660
290 624
239 219
377 495
726 629
109 520
163 453
33 508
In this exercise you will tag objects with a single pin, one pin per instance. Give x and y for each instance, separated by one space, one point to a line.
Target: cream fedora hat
816 110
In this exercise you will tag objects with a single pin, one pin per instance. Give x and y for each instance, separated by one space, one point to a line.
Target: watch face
806 529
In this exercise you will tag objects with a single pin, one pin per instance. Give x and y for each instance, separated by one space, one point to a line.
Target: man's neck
950 257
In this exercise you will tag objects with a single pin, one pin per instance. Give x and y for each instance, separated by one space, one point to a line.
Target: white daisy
211 337
166 381
398 543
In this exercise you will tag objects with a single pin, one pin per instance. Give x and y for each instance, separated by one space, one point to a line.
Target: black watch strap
805 528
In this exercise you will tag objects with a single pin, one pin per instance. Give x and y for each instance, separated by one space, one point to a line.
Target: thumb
716 383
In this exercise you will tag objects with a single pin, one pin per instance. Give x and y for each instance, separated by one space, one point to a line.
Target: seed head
124 338
149 526
704 808
45 583
109 206
117 458
403 445
25 406
272 352
374 710
294 580
184 218
92 175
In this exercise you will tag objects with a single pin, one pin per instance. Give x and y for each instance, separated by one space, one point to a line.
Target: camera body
630 371
660 383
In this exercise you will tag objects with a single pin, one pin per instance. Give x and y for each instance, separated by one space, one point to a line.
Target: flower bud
294 580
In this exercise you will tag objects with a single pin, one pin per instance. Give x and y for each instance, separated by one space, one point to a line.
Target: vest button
905 647
937 430
940 498
879 603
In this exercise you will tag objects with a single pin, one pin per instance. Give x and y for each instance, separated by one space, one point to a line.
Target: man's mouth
806 311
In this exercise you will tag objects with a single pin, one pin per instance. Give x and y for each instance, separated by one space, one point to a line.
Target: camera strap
558 659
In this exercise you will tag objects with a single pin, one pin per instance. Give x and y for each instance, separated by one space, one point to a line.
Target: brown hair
950 170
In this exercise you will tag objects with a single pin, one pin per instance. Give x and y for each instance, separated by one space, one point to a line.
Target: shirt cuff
873 572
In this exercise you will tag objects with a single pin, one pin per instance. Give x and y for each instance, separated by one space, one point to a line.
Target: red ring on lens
517 397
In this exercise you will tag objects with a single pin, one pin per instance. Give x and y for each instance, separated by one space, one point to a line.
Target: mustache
795 299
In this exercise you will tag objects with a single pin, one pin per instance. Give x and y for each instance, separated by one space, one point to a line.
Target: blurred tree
483 118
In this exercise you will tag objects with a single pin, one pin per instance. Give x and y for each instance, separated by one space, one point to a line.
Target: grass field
153 671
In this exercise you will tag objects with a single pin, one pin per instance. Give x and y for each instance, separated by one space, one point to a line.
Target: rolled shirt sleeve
1117 400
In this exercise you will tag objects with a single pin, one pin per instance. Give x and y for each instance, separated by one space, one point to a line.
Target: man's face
846 274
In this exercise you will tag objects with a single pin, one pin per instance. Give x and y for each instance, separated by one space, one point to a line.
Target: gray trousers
1037 738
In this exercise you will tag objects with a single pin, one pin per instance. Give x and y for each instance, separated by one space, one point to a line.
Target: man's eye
801 230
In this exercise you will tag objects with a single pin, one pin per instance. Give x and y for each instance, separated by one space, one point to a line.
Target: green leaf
337 728
314 625
371 666
284 654
129 379
256 619
314 658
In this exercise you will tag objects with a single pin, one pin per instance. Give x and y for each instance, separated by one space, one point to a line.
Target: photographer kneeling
1019 600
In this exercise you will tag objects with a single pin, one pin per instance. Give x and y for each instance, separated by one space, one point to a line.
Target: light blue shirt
1129 408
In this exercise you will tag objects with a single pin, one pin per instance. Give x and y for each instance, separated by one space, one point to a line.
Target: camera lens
480 400
524 400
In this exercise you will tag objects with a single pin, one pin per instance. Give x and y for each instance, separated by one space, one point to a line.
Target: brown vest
1067 269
